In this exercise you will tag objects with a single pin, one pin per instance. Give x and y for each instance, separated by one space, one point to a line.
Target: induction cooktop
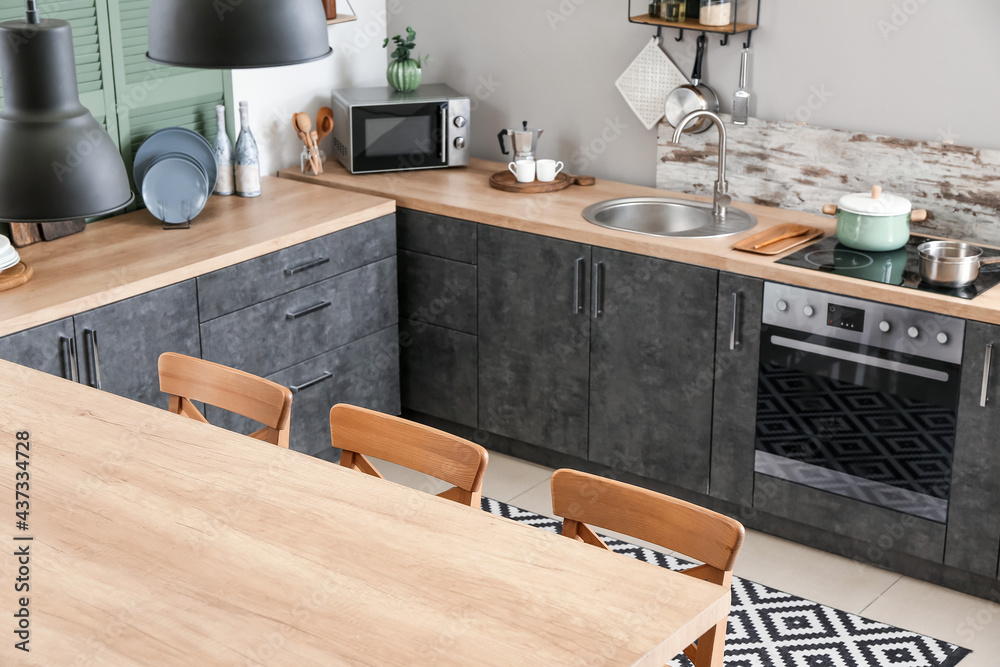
896 267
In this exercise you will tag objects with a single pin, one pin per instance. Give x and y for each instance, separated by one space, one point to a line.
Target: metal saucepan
951 263
694 96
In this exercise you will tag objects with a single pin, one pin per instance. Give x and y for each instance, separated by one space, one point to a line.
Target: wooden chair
187 379
361 433
715 540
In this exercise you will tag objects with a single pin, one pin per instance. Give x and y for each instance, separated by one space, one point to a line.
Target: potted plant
404 73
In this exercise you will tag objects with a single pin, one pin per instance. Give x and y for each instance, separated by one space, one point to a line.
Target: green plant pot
404 75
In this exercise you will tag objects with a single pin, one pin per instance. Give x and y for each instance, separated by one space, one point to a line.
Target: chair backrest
361 433
712 538
188 379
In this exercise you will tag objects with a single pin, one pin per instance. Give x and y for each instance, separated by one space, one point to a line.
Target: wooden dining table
152 539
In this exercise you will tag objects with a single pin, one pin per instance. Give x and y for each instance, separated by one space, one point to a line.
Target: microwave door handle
444 133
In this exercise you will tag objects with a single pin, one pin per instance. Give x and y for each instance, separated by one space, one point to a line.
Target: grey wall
920 69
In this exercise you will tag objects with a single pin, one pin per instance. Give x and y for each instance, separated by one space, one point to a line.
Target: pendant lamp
57 162
237 34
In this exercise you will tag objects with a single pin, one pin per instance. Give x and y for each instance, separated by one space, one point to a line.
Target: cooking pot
877 222
951 263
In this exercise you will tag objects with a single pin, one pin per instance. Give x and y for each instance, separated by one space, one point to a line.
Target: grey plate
175 140
175 189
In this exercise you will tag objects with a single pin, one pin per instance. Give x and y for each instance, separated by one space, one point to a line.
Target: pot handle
918 215
990 260
830 209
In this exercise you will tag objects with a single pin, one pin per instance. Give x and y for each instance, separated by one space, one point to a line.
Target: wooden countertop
131 254
158 540
465 193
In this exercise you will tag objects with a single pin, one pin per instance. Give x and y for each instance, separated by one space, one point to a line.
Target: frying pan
694 96
951 263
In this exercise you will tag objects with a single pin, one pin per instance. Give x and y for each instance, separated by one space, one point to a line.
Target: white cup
548 169
523 170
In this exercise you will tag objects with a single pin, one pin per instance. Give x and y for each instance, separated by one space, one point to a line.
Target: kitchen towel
646 83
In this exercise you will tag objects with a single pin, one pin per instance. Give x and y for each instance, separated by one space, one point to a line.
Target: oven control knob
808 311
913 332
459 121
942 338
459 142
782 306
884 326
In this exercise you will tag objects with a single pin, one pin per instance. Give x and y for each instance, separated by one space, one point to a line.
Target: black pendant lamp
57 162
237 34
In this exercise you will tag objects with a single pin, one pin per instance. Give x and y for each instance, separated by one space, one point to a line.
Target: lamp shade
57 162
236 34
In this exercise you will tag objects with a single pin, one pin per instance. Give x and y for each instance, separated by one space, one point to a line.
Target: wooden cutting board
506 181
26 233
15 276
780 246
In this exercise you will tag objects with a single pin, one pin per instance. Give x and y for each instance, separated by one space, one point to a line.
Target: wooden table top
465 193
158 540
131 254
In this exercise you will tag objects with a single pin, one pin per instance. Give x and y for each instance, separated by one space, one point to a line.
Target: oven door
399 137
855 420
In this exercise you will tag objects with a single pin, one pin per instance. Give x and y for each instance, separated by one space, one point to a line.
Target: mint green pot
876 233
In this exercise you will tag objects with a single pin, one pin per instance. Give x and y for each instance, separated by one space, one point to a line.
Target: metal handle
444 133
90 337
863 359
311 264
984 396
578 286
598 289
69 345
734 340
305 385
306 311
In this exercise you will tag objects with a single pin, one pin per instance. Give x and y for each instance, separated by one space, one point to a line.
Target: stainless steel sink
663 216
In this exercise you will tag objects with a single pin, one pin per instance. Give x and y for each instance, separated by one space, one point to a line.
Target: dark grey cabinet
734 414
119 344
50 348
534 339
973 535
651 367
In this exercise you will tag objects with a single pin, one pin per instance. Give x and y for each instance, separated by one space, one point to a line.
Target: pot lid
875 203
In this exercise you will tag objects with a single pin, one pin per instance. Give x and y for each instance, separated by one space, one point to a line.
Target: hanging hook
725 40
680 38
746 44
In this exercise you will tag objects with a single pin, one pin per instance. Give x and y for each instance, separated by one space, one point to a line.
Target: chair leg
712 646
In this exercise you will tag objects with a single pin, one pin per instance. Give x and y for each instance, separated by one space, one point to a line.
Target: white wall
912 68
274 94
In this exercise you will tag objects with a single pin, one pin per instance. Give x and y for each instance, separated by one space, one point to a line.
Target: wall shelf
691 23
342 18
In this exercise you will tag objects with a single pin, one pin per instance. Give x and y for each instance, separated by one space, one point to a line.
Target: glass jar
716 12
306 163
673 11
655 8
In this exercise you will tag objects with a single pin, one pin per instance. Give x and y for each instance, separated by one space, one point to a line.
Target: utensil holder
306 160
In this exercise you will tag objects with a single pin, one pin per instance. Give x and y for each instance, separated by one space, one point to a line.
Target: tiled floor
810 573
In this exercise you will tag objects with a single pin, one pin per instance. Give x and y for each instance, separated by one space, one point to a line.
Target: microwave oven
381 129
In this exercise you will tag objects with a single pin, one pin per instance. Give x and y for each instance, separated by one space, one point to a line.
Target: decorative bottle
223 154
247 162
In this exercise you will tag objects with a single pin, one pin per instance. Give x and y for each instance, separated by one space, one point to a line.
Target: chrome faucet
720 197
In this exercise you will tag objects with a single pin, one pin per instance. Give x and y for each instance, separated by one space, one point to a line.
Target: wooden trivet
15 276
506 181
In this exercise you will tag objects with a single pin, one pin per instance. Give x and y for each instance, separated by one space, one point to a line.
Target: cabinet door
120 343
974 505
534 339
49 348
651 362
734 414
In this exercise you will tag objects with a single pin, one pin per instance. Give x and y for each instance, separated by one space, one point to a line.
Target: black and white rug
771 628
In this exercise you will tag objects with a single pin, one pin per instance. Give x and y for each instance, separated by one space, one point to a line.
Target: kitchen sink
663 216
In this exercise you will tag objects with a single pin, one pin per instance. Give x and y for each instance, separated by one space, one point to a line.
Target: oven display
845 317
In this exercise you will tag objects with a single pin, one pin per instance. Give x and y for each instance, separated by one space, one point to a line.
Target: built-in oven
858 398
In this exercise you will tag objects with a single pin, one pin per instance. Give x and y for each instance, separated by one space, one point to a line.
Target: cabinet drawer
50 348
235 287
365 373
436 235
437 291
439 372
293 327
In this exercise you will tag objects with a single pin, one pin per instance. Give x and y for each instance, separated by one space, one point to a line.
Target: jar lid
875 203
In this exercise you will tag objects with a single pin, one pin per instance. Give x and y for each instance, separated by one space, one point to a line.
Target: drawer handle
90 337
69 345
311 264
306 311
578 285
734 331
598 290
984 396
305 385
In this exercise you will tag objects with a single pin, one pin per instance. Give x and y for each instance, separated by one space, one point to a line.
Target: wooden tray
15 276
504 180
777 247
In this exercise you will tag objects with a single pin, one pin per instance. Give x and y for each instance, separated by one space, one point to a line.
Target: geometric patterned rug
771 628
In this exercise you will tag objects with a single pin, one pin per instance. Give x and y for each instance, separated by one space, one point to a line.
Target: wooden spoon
318 163
324 121
304 125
